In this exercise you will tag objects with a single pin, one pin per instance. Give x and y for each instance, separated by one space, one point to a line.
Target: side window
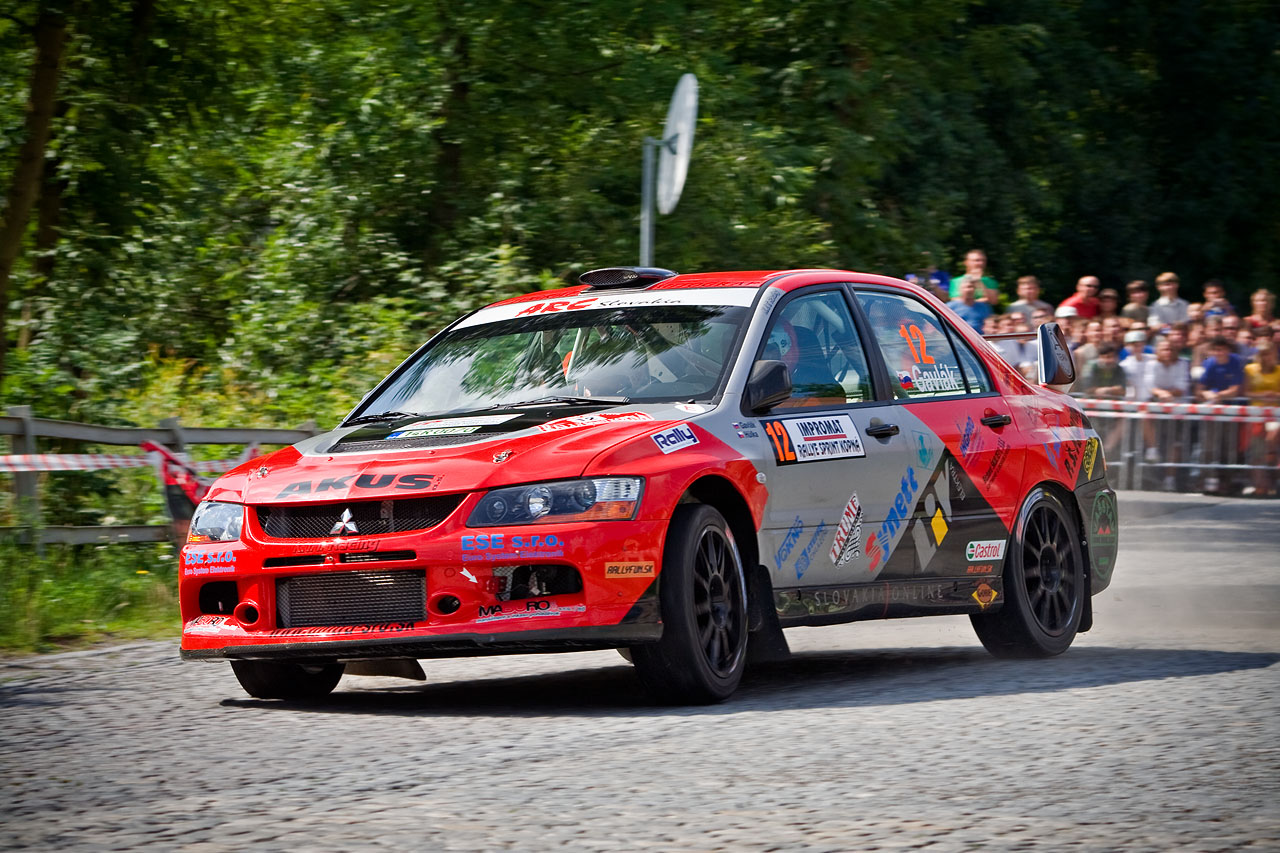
974 373
814 336
917 352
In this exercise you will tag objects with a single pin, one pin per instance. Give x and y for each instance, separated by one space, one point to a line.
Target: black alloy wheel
1044 584
702 590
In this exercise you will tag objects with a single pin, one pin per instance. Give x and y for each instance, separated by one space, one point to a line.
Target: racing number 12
781 441
920 357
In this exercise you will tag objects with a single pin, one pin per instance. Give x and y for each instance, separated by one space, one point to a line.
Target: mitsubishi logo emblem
343 524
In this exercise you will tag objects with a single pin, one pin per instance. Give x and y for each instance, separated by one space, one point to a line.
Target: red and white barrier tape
1200 411
97 462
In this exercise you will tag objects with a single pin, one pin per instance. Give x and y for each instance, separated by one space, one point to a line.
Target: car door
959 429
838 466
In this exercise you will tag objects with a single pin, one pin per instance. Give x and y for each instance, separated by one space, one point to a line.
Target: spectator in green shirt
975 270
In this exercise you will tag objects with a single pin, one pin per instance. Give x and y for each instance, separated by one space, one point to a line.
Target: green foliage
71 595
254 211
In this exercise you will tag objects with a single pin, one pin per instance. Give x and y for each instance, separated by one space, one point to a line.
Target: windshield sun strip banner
729 296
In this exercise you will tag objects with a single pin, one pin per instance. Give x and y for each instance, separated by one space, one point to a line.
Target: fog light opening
446 605
247 613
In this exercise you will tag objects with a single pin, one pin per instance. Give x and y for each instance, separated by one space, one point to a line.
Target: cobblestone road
1158 731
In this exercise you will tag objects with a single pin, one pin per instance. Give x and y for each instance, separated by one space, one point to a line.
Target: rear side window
974 373
917 351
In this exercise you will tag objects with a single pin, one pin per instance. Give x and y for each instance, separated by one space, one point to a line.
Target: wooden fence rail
23 429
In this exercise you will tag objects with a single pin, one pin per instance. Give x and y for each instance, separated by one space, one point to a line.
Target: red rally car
676 466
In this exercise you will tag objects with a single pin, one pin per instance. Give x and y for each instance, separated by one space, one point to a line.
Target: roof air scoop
623 277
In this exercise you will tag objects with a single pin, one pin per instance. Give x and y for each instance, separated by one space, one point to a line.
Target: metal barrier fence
1188 447
26 461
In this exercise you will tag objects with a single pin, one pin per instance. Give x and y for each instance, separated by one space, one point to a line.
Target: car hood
413 456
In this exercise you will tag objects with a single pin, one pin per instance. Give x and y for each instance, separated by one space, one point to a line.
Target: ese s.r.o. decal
813 439
676 438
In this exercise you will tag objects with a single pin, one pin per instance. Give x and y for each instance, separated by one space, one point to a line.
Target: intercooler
351 598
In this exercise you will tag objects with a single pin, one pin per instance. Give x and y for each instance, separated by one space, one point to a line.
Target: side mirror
769 385
1055 364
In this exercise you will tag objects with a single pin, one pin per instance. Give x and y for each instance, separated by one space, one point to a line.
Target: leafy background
250 212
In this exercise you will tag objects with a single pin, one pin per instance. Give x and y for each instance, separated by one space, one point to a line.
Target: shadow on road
808 680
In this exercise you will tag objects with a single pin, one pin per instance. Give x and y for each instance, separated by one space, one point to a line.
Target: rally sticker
848 539
676 438
595 419
814 439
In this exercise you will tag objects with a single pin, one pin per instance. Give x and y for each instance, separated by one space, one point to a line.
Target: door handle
882 430
997 420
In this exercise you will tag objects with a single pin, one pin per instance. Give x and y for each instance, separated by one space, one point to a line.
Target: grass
72 596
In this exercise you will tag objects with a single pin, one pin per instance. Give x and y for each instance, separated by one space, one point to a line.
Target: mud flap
765 641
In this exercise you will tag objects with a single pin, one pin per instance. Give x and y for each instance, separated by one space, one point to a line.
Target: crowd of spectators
1166 350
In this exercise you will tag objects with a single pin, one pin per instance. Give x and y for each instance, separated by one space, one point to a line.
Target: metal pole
646 201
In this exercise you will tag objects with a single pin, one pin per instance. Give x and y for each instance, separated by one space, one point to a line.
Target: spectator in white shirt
1169 308
1136 366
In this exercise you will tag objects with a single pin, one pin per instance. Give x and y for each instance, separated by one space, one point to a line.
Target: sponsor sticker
806 556
789 541
985 595
741 296
629 570
532 609
1104 538
691 408
980 550
984 569
208 621
847 542
488 547
596 419
343 629
997 461
814 439
449 426
1090 457
678 437
881 541
208 562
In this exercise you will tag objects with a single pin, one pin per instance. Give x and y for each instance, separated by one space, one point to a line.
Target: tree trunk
24 185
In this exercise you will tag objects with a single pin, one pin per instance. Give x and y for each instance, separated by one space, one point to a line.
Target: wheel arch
719 492
1071 500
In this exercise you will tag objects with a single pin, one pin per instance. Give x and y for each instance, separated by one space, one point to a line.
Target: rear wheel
1043 584
702 589
271 680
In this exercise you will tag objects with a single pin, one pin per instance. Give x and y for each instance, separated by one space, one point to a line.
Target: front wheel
703 593
270 680
1043 584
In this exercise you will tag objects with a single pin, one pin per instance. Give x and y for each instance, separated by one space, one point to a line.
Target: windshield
644 354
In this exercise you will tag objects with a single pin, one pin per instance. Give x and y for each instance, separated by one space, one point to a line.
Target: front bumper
613 607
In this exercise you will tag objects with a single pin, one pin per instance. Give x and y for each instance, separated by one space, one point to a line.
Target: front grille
351 598
371 518
411 443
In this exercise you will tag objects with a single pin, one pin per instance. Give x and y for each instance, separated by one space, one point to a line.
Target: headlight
215 521
596 499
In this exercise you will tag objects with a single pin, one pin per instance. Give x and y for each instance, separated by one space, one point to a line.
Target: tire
271 680
703 597
1044 584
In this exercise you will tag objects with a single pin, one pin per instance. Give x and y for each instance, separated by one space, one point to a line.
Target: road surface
1159 730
